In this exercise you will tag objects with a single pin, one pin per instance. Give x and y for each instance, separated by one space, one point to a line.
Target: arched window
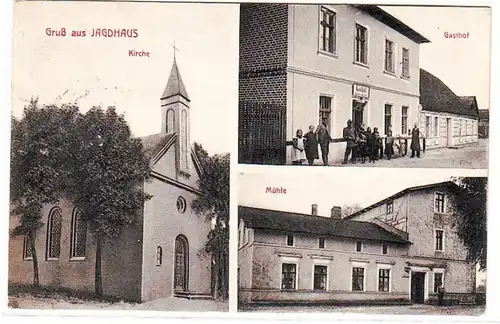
181 204
78 247
184 139
27 249
181 263
170 120
159 256
54 234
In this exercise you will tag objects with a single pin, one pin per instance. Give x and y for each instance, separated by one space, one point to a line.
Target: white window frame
444 203
321 262
443 238
394 55
407 118
293 239
387 246
336 25
391 203
436 126
356 247
367 50
289 260
358 265
386 103
385 267
332 116
437 270
402 63
324 243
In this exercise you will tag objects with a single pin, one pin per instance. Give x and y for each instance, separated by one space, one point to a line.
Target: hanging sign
359 90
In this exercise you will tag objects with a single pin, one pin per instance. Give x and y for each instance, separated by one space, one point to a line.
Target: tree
470 221
350 209
213 204
108 170
38 156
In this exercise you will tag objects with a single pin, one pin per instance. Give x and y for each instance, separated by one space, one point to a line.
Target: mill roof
445 184
284 221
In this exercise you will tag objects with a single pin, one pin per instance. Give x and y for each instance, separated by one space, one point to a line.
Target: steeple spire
175 86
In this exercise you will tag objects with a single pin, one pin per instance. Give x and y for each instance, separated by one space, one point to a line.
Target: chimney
336 212
314 210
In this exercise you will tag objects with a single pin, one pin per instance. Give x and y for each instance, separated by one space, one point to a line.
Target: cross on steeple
175 49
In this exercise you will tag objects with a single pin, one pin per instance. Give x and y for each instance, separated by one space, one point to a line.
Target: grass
16 290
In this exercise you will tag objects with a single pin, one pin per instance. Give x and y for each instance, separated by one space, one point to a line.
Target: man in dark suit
324 141
350 137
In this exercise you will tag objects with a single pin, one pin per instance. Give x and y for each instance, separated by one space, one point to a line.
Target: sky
101 72
462 64
98 71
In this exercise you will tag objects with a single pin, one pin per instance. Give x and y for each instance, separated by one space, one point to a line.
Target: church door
181 264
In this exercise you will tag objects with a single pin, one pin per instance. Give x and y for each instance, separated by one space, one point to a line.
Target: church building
158 257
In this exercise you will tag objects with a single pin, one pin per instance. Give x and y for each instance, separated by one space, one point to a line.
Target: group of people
361 144
305 147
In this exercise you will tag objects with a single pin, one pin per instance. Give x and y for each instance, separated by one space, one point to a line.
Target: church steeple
175 104
175 86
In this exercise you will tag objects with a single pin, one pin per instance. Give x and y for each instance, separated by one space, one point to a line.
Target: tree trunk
36 279
98 274
216 275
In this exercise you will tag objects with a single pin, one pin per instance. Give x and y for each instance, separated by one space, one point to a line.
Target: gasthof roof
436 96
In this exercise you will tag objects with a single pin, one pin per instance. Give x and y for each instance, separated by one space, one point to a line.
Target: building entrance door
358 108
181 265
418 287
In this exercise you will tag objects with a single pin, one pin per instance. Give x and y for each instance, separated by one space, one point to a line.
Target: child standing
298 153
389 145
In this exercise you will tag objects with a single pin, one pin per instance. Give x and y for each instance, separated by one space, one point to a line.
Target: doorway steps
192 295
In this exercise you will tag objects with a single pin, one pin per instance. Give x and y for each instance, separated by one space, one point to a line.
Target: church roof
153 143
436 96
283 221
175 86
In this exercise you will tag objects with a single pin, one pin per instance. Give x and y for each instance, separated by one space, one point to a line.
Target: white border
493 293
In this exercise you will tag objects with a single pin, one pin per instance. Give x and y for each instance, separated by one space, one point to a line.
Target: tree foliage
38 156
213 204
470 223
90 158
350 209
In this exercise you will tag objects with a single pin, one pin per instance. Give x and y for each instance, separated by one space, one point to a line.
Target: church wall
120 261
166 166
63 272
164 224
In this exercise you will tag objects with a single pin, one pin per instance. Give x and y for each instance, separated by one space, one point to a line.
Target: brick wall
263 52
